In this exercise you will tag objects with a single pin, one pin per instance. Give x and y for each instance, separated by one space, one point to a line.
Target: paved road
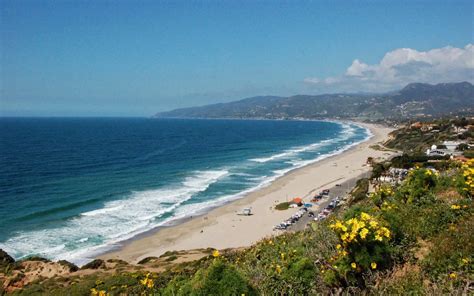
342 191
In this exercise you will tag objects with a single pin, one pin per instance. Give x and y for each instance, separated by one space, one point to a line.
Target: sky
136 58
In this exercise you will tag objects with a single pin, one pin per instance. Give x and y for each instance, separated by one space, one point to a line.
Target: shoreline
220 227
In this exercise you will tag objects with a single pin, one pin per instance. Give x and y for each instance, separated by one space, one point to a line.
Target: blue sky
135 58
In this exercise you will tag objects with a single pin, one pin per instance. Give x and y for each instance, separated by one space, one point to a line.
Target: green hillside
415 100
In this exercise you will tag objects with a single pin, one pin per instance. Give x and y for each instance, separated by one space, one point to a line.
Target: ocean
71 188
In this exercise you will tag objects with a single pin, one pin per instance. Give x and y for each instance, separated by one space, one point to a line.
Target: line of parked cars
320 195
293 219
328 209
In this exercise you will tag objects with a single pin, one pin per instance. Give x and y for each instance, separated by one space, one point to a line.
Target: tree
462 147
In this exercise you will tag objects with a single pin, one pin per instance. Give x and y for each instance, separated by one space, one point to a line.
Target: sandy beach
223 228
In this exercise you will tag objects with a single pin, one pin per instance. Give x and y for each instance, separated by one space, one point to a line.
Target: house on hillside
446 148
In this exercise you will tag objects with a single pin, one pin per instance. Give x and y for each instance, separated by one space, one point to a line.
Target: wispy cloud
400 67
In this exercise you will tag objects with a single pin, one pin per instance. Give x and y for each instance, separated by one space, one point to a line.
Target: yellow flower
351 221
373 265
453 275
385 232
352 236
94 292
102 293
344 236
282 255
150 283
465 260
455 207
363 233
353 265
278 268
215 253
373 224
338 246
365 216
378 237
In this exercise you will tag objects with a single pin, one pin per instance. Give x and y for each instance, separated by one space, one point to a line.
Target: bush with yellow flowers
281 265
466 181
382 194
418 186
363 246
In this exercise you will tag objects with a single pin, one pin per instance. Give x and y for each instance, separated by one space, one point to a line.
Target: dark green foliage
5 259
147 259
377 170
36 258
219 278
71 266
417 188
462 122
360 191
282 206
462 147
169 253
117 261
94 264
408 161
469 153
171 258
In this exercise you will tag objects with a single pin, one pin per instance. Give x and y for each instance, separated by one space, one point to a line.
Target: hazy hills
414 100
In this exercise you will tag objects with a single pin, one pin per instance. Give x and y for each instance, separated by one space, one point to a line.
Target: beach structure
298 201
246 212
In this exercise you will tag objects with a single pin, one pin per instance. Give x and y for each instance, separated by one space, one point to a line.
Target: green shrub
219 278
468 153
364 245
360 191
171 258
94 264
71 266
147 260
282 206
453 251
417 187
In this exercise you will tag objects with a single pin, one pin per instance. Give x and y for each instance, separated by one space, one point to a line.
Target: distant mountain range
414 100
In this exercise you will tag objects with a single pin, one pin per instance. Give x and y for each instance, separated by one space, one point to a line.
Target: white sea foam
347 132
102 211
116 221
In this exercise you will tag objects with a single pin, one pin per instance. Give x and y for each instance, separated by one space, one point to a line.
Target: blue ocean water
70 188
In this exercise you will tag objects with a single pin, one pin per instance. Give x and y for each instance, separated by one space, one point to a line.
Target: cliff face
45 276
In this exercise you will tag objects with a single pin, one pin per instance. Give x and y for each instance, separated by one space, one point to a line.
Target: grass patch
282 206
